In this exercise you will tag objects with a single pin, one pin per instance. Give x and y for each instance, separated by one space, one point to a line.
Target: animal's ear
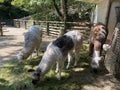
31 70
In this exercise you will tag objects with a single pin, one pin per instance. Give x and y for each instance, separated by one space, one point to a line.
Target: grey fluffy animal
32 41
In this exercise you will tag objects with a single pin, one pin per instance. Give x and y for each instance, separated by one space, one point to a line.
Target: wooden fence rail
52 27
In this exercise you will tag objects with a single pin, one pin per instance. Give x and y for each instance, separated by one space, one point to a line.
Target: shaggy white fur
54 54
77 38
32 39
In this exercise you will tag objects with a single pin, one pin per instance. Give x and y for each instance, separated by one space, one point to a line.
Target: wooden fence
52 27
1 27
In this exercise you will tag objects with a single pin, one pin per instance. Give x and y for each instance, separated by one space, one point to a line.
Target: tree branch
64 8
57 10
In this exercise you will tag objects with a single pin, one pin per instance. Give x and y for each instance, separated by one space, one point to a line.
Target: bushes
8 11
44 10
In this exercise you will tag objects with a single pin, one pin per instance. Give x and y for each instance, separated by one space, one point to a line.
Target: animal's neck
96 53
46 64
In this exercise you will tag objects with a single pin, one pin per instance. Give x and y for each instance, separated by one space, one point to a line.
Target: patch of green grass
15 76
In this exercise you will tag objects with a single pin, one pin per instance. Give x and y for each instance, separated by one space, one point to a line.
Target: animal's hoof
31 70
95 70
75 66
34 82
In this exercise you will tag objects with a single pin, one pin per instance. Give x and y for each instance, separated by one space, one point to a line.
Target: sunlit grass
15 76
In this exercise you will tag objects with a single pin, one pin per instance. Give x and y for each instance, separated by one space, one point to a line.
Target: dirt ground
12 42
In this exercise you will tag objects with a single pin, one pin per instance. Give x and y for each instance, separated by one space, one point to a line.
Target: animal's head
36 75
95 61
100 30
20 56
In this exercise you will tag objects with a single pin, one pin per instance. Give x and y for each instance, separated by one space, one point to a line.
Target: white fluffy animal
57 51
32 39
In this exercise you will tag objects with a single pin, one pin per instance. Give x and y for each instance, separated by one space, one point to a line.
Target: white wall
112 19
102 11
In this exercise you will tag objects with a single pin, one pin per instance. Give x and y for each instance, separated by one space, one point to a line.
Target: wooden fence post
63 30
25 24
14 22
18 22
47 27
1 29
34 23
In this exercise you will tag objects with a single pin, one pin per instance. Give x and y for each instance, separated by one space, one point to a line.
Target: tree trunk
63 14
57 10
116 50
112 59
109 61
64 11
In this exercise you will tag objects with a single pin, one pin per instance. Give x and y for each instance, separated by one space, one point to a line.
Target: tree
63 13
112 59
67 13
63 10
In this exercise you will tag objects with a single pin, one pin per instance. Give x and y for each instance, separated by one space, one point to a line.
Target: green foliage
83 9
24 4
8 11
47 16
1 1
44 10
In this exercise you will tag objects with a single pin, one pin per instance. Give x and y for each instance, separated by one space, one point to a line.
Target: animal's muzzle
34 82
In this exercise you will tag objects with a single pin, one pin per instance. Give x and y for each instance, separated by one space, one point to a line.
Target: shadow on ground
75 78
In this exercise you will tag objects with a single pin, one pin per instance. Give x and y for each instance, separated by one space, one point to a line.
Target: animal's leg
57 67
60 67
96 55
69 59
59 77
77 56
91 47
37 49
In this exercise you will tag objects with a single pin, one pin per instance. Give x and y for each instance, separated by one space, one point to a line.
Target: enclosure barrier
52 27
1 27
